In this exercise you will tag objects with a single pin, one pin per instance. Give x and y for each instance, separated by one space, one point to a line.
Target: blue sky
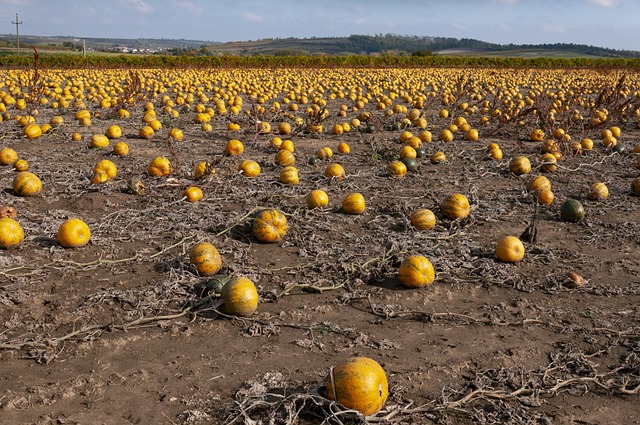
604 23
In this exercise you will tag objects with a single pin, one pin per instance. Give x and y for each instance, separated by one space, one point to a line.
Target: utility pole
17 22
84 47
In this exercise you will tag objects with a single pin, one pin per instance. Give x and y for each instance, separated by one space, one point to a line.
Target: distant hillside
396 44
387 44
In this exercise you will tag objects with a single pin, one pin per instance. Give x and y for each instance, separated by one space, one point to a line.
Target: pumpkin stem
333 385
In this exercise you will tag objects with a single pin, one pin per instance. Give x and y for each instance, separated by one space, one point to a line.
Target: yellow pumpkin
73 233
284 128
416 271
26 183
520 165
334 171
353 203
455 206
445 135
344 148
548 163
234 147
32 131
587 144
360 383
438 157
510 249
121 149
193 193
285 158
287 145
11 233
146 132
8 156
239 297
159 166
270 225
495 153
471 135
56 121
317 199
397 169
114 132
537 135
423 219
249 168
538 183
76 137
206 259
21 165
176 134
425 136
107 167
99 141
598 191
544 196
289 175
203 169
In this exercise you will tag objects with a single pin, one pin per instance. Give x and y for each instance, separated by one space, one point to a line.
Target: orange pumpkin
334 171
107 167
510 249
416 271
423 219
455 206
26 183
11 233
239 297
317 199
537 135
353 203
206 259
270 226
360 383
159 166
73 233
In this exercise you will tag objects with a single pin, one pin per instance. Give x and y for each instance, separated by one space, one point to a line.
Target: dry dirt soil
124 331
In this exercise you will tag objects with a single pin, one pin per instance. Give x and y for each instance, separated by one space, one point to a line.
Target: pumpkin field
311 245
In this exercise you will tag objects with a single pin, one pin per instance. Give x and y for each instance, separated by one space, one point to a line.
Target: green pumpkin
410 163
572 211
619 148
215 284
421 152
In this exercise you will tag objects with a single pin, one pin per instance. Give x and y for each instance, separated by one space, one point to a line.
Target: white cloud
362 21
187 5
139 5
252 17
605 3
